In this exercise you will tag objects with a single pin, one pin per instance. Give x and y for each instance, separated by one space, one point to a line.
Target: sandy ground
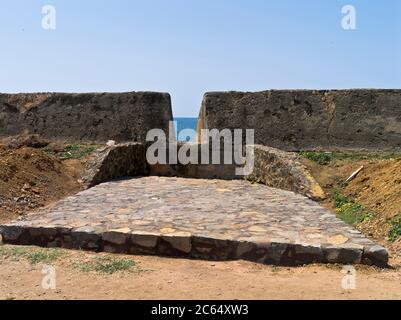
165 278
378 187
31 179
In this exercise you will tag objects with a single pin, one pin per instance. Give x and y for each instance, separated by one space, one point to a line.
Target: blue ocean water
186 129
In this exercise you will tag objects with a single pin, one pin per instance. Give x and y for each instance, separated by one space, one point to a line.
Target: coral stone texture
193 218
114 162
85 117
309 119
284 170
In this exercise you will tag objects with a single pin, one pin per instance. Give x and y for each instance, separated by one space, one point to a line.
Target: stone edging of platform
183 244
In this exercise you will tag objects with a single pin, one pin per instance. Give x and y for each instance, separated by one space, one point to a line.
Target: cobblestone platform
205 219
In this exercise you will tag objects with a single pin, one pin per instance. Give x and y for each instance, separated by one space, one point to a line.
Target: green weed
324 158
32 254
74 152
395 231
349 211
107 265
321 158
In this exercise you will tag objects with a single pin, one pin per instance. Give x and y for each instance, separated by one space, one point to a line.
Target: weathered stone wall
272 167
195 170
129 160
307 119
123 160
284 170
88 117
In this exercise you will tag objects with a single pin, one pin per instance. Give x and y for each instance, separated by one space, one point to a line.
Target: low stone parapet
284 170
272 167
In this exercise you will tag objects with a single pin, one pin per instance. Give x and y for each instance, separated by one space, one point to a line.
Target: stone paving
205 219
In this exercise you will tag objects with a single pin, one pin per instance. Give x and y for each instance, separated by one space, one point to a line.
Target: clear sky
188 47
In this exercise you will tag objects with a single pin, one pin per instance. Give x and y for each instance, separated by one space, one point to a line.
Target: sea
186 129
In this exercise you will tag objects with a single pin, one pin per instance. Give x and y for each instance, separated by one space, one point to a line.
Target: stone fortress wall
290 120
85 117
295 120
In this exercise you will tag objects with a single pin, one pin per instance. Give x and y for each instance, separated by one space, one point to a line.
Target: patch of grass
74 152
44 256
349 211
275 269
106 265
339 199
322 158
357 156
32 254
395 231
341 183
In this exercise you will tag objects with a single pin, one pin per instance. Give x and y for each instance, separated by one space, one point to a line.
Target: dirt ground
377 186
31 178
165 278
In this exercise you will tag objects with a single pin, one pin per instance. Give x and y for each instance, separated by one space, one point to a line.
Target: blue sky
188 47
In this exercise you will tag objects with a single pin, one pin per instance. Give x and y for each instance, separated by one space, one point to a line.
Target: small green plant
395 231
107 265
349 211
357 156
32 254
341 184
276 269
74 152
322 158
339 199
44 256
